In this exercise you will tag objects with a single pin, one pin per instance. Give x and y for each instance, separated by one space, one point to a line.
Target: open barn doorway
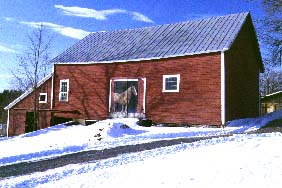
29 122
127 97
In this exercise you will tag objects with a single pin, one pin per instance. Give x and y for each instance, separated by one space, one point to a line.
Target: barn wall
17 114
242 76
198 101
16 122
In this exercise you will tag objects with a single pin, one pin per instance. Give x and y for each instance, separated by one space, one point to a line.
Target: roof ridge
158 41
165 24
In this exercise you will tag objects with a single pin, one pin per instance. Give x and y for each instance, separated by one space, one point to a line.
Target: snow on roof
272 94
29 91
250 124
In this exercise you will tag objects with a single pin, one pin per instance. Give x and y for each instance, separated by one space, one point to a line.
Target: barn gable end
21 109
242 74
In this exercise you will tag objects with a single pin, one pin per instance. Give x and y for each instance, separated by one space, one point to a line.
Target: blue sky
68 21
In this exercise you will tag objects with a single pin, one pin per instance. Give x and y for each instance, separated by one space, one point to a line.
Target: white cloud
9 19
101 14
89 13
63 30
140 17
6 49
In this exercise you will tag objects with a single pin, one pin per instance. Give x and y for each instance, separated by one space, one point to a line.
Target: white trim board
222 75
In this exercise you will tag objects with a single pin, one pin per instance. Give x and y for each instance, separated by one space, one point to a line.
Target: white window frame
43 94
170 76
67 92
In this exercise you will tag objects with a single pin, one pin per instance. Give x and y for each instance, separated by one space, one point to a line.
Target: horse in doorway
124 98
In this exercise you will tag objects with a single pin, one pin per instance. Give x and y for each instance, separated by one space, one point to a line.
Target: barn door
127 97
29 122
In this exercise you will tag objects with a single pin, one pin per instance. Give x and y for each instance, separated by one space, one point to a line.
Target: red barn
197 72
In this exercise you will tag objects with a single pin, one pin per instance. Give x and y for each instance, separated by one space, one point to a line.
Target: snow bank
61 139
250 124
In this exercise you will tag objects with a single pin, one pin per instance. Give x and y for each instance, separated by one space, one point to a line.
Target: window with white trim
171 83
43 98
64 90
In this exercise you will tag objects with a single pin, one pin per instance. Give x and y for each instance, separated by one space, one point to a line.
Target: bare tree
272 30
270 81
269 29
33 65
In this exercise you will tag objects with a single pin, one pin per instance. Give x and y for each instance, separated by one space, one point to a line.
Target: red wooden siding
197 102
17 114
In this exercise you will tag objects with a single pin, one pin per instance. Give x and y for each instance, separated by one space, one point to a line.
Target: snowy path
90 156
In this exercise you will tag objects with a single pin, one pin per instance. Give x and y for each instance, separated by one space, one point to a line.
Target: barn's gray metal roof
170 40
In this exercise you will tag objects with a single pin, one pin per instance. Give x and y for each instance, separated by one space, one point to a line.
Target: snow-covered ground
241 160
61 139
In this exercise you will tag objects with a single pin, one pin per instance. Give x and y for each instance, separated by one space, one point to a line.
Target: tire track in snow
91 156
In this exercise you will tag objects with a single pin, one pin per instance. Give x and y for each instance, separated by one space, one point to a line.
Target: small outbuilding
21 110
197 72
271 102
